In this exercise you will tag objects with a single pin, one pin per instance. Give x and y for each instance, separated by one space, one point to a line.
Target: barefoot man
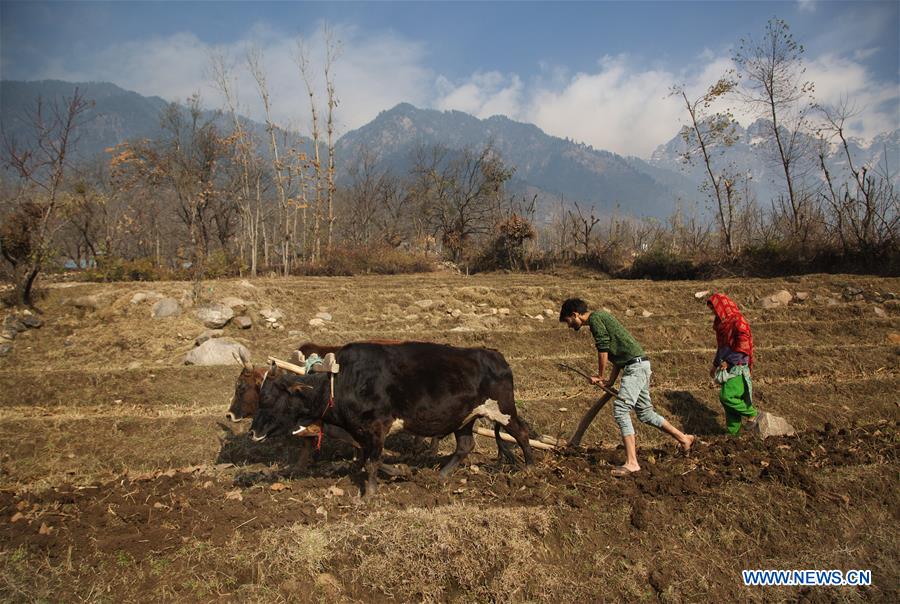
616 347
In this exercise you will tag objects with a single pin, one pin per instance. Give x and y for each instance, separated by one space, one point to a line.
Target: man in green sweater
617 347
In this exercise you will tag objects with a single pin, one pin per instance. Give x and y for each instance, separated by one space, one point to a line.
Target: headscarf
731 328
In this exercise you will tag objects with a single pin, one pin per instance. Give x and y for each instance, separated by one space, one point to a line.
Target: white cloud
839 78
482 95
372 72
625 107
806 6
621 105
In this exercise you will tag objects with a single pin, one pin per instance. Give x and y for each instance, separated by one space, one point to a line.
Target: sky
595 72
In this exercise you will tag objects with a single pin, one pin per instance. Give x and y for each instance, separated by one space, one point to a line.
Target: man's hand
599 381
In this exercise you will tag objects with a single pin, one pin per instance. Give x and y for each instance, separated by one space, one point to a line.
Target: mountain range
551 167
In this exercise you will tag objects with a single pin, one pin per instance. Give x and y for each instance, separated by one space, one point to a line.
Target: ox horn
242 359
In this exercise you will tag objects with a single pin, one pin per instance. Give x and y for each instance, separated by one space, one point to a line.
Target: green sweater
612 338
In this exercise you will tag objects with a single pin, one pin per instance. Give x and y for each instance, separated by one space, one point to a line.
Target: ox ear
298 388
243 360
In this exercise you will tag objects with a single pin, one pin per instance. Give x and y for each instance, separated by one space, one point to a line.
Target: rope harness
327 407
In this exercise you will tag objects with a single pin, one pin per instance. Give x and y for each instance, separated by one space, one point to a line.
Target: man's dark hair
572 305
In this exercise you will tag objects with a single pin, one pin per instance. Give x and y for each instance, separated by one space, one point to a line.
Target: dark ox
245 401
431 388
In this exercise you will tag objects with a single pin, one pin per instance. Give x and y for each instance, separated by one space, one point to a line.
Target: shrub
119 269
661 264
378 260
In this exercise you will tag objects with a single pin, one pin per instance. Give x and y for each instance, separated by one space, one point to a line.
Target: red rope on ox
322 419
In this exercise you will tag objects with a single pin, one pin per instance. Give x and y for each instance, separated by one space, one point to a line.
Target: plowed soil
120 479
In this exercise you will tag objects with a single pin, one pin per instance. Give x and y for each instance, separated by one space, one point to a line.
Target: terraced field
120 479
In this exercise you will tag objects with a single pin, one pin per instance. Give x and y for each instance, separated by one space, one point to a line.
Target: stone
8 334
236 304
144 296
802 296
646 314
424 304
167 307
247 284
208 335
852 294
503 311
549 313
134 365
5 348
629 313
879 311
272 315
779 298
783 297
14 323
455 313
539 318
220 351
324 316
87 303
767 425
32 322
243 322
411 318
701 294
317 322
214 316
894 338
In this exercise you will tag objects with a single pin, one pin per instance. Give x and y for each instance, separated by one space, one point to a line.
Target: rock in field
325 316
214 316
317 322
5 348
271 315
243 322
88 303
31 322
768 424
139 297
219 351
779 298
167 307
208 335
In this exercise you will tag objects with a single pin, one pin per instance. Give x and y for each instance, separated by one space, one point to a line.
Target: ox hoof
395 470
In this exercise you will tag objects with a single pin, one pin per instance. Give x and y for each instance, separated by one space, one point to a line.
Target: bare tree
185 162
332 50
283 164
583 227
302 60
250 173
709 131
461 194
41 168
865 206
773 72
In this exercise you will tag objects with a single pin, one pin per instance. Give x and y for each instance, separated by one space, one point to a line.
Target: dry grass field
120 479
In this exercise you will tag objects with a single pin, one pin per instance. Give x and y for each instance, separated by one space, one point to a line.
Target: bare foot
620 471
688 442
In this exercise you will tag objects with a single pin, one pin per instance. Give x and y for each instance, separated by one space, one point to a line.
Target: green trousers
737 399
